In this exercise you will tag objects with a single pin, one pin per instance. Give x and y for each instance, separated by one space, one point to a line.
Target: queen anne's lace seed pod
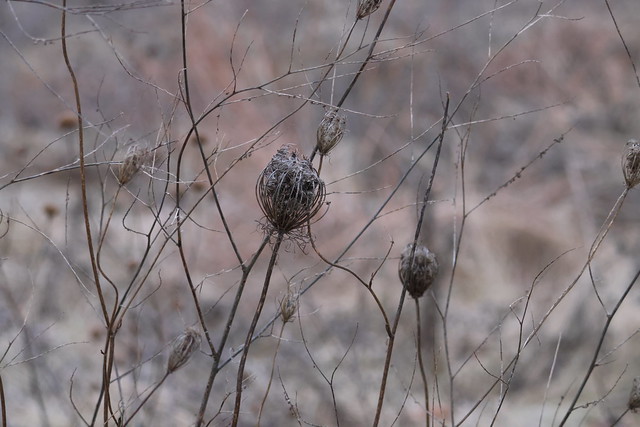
417 274
289 191
183 348
367 7
330 131
631 163
137 156
634 397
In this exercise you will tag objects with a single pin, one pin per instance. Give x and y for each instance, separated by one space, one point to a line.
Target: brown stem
273 368
421 363
252 328
85 207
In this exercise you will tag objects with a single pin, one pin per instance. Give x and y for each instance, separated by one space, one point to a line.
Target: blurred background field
564 77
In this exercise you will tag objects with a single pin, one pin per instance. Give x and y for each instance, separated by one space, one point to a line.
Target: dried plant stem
144 401
423 373
87 224
252 328
273 368
3 404
387 361
392 334
216 365
596 352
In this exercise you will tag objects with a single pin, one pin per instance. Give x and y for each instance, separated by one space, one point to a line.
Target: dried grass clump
631 163
137 156
634 397
289 191
367 7
183 348
330 131
417 276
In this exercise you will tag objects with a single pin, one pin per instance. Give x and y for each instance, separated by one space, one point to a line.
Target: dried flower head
631 163
183 347
288 306
634 397
418 275
137 156
330 131
289 191
367 7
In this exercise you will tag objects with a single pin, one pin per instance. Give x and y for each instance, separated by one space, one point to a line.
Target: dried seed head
367 7
183 347
288 306
418 275
137 156
330 131
289 191
634 397
631 163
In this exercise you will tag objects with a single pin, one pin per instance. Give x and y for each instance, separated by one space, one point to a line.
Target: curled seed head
634 397
631 163
330 131
289 191
288 306
137 156
418 275
367 7
183 347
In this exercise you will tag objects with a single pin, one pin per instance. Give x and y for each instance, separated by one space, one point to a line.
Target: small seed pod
367 7
417 276
634 397
330 131
288 306
631 163
136 157
289 191
183 348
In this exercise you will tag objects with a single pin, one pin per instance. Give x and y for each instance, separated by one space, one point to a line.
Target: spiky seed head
288 306
289 191
183 348
367 7
137 155
330 131
631 163
417 274
634 397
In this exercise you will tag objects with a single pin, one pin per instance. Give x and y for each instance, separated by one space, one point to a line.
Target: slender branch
252 328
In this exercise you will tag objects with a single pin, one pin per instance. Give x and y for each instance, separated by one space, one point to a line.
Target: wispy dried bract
137 156
367 7
417 276
634 397
183 347
289 191
631 163
330 131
